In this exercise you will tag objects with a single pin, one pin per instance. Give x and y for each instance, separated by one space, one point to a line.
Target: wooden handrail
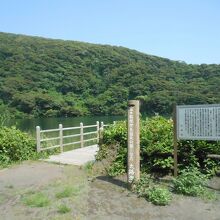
99 128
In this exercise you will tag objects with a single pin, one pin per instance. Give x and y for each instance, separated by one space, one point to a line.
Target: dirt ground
96 198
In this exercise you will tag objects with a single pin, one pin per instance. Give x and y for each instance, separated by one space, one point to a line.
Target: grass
9 186
68 191
2 199
36 200
62 209
208 195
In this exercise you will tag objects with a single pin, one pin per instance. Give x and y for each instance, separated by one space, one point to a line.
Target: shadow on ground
114 181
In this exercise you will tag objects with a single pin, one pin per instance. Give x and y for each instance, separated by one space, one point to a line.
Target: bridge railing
84 134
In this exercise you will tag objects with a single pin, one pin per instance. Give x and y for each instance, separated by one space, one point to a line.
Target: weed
208 195
36 200
63 209
146 188
67 192
190 182
2 199
159 196
89 167
142 186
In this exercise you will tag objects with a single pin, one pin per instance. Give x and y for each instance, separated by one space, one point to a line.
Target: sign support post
133 160
175 143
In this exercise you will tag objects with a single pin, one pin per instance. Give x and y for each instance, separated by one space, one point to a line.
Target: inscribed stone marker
133 141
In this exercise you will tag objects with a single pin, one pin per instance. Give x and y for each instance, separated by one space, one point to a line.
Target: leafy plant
156 148
142 186
15 146
190 182
159 196
146 188
4 115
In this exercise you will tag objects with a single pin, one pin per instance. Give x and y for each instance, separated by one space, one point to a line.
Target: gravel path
99 198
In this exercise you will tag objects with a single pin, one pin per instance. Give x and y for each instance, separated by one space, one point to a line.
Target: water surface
29 125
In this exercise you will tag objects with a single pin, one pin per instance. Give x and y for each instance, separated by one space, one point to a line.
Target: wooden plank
72 135
50 139
89 126
93 132
72 143
215 156
49 130
47 148
70 128
91 139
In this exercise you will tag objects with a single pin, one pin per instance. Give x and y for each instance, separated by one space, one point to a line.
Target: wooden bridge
78 145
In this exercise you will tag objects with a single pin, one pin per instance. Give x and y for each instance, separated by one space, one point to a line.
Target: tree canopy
43 77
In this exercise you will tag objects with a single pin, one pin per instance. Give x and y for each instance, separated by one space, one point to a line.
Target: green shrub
156 148
142 186
190 182
194 153
15 146
159 196
147 189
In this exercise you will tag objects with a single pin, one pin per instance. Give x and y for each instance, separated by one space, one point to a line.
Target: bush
142 186
146 188
190 182
156 148
15 146
159 196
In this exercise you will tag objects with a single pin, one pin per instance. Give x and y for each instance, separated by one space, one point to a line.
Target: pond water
29 125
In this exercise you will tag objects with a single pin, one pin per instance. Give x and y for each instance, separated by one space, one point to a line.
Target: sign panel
198 122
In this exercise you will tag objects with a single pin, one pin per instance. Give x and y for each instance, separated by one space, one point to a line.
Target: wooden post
101 132
81 134
97 124
61 137
102 125
133 173
175 143
38 138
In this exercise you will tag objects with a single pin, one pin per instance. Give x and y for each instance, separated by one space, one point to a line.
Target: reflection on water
29 125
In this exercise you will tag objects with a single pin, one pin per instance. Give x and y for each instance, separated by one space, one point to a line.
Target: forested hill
44 77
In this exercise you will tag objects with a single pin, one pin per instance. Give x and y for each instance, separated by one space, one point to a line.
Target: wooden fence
42 135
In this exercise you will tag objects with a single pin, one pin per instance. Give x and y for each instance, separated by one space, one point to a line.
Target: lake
29 125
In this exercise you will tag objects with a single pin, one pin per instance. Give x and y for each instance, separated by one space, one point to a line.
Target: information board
198 122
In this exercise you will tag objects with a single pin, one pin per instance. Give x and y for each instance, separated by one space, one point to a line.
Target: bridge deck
78 156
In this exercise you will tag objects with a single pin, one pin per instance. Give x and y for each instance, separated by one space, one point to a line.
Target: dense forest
43 77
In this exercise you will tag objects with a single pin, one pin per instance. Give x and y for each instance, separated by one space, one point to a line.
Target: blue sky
187 30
